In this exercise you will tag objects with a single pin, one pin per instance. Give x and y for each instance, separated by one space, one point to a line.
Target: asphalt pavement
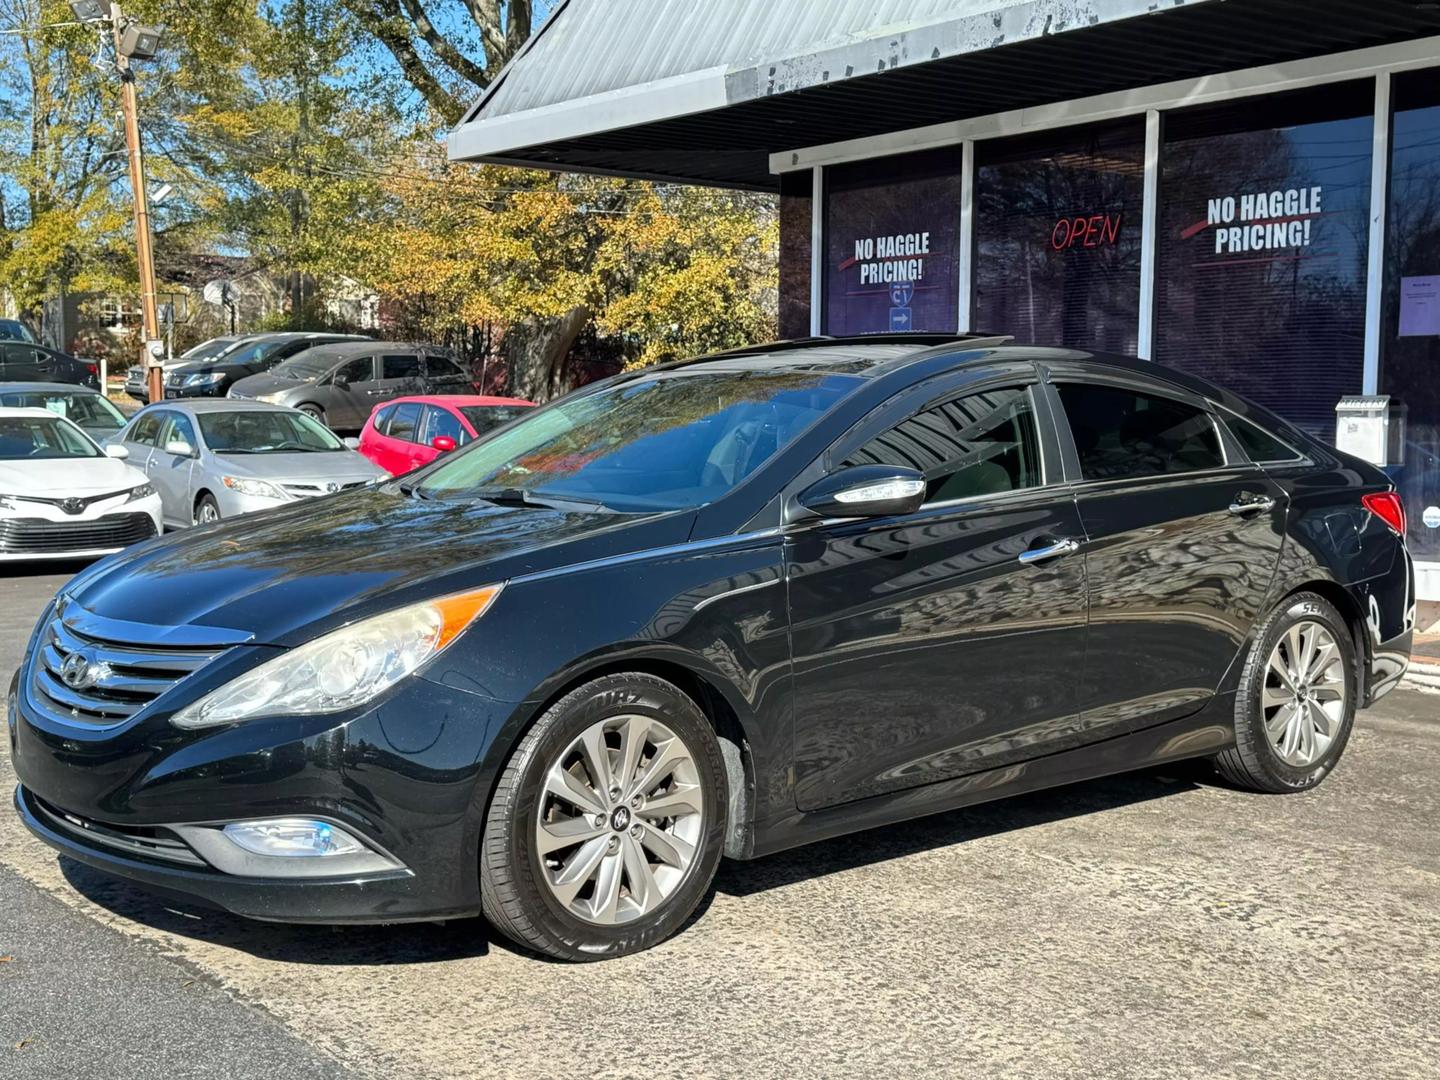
1153 925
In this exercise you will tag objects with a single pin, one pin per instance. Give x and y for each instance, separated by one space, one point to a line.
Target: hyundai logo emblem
332 487
81 670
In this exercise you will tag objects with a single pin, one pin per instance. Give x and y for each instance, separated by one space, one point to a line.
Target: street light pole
144 255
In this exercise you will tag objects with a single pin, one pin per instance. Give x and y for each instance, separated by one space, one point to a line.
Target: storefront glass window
892 227
1410 339
1260 265
1057 236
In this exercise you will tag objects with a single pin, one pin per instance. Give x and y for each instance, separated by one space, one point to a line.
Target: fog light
299 837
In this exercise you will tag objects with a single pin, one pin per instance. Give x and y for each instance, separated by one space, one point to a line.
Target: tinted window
361 370
383 417
979 444
665 440
1121 433
401 367
145 429
404 422
13 330
36 437
439 422
485 417
1258 443
441 367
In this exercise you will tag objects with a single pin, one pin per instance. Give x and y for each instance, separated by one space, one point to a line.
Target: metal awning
703 91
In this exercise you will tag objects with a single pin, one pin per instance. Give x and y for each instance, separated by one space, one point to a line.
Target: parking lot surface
1156 924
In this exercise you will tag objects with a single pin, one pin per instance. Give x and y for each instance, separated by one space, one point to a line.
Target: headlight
144 491
259 488
209 378
342 669
271 399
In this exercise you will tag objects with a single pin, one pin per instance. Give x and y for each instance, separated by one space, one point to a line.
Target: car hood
333 466
254 386
283 576
58 478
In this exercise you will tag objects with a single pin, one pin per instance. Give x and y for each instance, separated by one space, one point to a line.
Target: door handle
1051 551
1246 506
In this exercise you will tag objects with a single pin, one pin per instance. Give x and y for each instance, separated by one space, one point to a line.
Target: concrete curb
1423 675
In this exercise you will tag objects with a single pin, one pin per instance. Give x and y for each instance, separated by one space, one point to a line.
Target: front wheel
1296 703
315 412
607 823
207 510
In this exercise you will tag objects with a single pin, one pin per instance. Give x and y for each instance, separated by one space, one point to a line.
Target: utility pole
144 255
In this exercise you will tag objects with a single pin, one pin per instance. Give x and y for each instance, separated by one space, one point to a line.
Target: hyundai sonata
720 607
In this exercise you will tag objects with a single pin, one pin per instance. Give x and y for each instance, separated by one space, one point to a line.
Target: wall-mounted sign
891 231
1087 230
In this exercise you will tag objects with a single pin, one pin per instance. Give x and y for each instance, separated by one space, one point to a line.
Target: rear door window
1122 433
979 444
400 366
405 422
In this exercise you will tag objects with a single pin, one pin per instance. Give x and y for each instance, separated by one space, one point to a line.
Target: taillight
1386 505
94 368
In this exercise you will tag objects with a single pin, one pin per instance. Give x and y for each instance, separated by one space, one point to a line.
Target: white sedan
62 497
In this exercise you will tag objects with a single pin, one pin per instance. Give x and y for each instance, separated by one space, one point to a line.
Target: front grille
306 491
36 536
120 679
146 841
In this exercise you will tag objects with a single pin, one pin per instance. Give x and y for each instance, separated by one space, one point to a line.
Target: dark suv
253 355
720 607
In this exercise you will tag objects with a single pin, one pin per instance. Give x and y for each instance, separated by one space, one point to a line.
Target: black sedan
721 607
20 361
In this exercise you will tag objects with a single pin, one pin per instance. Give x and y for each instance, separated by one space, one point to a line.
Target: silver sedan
215 458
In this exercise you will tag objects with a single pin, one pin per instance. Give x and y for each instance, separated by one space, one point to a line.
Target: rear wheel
1296 703
607 823
206 509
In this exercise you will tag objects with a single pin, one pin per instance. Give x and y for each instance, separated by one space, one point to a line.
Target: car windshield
304 367
15 330
672 440
485 417
265 431
87 410
208 350
252 352
32 437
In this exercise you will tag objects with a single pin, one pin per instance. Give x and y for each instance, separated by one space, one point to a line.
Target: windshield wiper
521 497
411 489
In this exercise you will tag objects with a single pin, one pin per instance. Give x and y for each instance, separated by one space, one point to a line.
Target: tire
516 878
1258 760
207 510
313 411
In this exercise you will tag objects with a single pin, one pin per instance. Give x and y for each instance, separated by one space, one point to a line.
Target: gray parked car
215 458
342 384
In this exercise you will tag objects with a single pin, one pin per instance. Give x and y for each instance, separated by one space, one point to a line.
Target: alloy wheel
207 514
621 816
1303 700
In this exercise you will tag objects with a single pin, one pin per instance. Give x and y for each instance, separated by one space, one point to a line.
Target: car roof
296 335
33 387
338 350
199 406
455 400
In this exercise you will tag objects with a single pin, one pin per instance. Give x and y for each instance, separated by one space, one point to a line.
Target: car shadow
459 939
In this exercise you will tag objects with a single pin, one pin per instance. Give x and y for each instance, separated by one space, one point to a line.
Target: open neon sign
1087 230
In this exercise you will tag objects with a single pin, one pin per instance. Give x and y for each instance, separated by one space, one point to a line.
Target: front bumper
407 776
210 390
43 531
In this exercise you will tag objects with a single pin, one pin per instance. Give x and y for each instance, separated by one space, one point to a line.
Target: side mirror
339 379
863 491
115 450
180 448
351 442
443 443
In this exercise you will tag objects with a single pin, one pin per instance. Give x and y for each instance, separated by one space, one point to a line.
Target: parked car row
212 367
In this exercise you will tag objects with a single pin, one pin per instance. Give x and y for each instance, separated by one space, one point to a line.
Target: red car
408 432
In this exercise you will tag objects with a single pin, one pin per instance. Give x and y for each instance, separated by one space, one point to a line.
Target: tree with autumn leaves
306 135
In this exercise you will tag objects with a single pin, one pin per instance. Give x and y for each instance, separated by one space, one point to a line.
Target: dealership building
1248 190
